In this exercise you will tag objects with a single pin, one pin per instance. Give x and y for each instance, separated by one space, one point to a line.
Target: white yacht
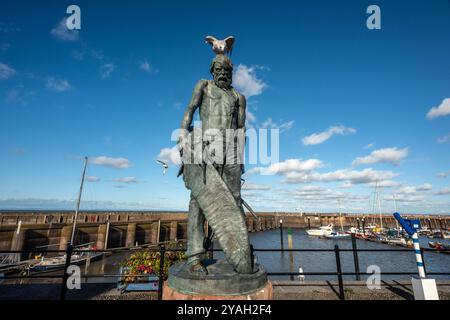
322 231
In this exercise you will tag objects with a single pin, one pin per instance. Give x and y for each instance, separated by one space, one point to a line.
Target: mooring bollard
339 272
162 251
355 257
69 251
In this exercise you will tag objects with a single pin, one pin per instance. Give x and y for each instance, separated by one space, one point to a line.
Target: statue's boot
222 213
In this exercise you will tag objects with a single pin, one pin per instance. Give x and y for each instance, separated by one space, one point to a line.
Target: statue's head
222 71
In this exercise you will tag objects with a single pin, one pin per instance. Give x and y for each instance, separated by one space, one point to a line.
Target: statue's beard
222 81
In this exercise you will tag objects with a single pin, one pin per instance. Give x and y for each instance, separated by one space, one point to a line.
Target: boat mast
396 210
340 214
379 208
78 201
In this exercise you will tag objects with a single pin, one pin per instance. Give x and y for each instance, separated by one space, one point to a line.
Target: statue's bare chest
218 107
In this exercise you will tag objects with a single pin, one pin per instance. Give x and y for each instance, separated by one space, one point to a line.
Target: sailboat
52 263
339 234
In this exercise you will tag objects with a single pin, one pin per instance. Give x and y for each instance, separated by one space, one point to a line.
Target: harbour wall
29 230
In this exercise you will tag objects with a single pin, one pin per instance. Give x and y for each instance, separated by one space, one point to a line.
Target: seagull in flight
165 166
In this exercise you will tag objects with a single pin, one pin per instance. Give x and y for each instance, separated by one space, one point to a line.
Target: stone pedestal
265 293
220 283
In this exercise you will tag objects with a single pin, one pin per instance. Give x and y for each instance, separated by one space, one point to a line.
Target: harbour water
317 261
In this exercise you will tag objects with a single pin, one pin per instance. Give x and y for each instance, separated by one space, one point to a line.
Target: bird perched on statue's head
221 46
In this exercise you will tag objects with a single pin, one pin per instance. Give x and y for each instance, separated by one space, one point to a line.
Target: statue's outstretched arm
196 100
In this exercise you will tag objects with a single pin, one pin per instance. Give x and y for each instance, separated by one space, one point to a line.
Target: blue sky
352 103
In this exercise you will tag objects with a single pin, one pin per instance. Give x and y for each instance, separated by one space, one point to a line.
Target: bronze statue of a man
215 181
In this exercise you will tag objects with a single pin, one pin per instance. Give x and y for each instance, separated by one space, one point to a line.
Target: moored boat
338 235
439 246
322 231
55 263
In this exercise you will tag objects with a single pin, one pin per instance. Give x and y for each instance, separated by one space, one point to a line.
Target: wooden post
101 236
131 235
107 234
18 241
173 231
64 239
154 234
158 237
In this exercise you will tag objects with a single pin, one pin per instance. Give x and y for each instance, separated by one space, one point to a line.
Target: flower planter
148 283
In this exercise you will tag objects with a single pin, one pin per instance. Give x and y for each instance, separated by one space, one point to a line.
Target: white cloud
406 198
92 179
57 204
250 117
444 174
424 187
255 186
387 155
6 71
352 176
290 165
345 185
8 28
318 138
58 85
106 70
444 139
147 67
412 190
118 163
62 33
269 123
316 193
19 95
385 184
246 81
442 110
171 156
126 180
443 192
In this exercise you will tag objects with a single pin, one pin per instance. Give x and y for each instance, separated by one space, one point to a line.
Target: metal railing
162 250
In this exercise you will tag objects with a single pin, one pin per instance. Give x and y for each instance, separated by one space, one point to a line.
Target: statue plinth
221 283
